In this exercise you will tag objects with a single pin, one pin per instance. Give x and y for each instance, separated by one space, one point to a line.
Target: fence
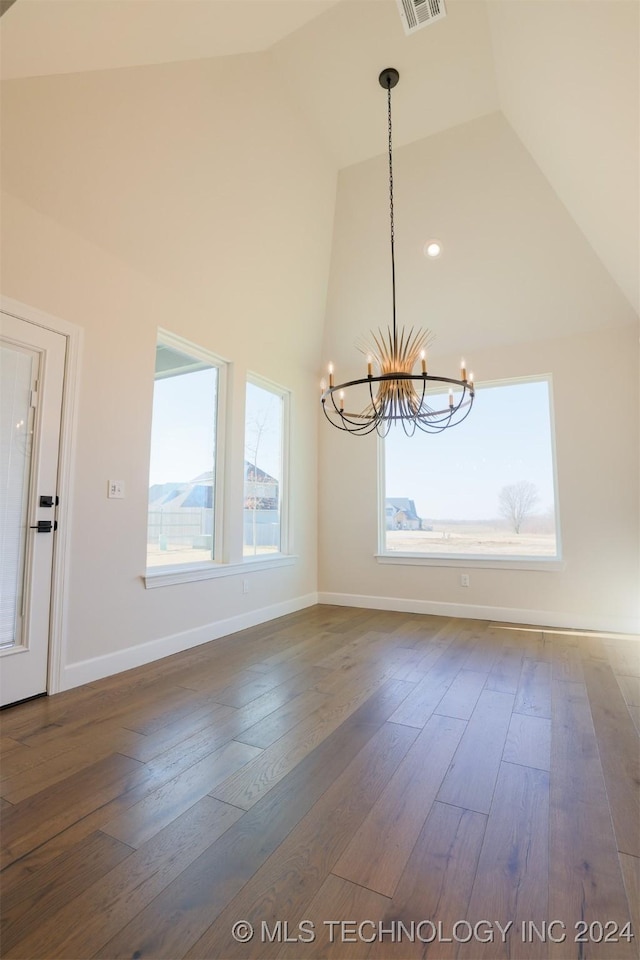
181 528
193 527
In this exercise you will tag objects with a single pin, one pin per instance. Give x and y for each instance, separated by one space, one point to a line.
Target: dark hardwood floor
351 783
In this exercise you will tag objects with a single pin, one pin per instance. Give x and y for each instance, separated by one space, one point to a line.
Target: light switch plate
115 490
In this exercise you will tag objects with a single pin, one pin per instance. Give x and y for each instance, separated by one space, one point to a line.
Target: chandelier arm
398 400
383 425
424 392
448 417
374 407
339 423
466 413
440 416
359 423
344 417
364 429
424 428
409 400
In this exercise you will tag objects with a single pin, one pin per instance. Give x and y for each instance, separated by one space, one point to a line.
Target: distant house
174 496
401 514
183 512
260 492
260 489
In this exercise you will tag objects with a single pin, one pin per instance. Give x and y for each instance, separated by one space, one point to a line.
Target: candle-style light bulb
423 360
323 385
330 374
451 399
341 401
471 379
369 365
463 370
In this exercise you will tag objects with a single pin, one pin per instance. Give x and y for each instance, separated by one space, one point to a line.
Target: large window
264 469
484 489
184 463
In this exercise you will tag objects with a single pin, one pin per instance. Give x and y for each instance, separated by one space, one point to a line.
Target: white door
32 363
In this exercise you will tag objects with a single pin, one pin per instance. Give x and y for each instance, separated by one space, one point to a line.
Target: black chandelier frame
424 418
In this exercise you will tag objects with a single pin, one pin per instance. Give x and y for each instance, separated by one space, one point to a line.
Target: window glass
182 474
485 488
263 470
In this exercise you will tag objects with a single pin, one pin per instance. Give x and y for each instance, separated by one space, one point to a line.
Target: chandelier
395 393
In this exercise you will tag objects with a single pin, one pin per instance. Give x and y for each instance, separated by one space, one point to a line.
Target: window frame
224 562
173 340
284 486
523 562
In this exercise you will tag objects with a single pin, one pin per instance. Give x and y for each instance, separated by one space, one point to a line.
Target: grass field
469 538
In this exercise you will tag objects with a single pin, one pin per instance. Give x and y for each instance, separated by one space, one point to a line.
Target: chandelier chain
391 218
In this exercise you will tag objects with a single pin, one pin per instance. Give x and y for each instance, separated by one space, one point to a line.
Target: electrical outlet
464 579
115 490
245 586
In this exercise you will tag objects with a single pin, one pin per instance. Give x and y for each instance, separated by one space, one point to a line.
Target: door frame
68 435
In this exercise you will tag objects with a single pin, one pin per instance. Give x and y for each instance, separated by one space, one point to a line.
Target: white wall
190 197
518 291
567 77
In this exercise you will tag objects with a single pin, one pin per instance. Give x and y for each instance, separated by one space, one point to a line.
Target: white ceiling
564 73
446 74
41 37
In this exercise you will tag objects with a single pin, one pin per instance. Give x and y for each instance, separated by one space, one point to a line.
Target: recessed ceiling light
432 249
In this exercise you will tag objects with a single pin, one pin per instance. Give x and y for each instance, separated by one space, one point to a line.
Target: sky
458 474
183 431
455 475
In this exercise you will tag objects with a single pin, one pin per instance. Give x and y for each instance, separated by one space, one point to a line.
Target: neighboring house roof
251 472
199 495
183 495
199 492
160 491
402 505
206 477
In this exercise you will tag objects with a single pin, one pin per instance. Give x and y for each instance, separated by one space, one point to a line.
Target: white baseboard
86 671
544 618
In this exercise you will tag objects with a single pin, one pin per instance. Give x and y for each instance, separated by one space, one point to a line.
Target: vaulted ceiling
564 73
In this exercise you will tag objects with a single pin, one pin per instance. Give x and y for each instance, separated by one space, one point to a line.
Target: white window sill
186 573
543 564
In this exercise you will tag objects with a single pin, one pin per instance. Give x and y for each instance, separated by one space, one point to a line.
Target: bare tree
517 502
256 428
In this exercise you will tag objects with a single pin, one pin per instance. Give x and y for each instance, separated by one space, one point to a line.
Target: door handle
45 526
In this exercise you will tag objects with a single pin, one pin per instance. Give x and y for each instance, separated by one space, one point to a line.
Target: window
264 469
184 464
484 489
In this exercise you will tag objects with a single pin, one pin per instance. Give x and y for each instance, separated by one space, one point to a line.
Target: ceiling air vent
419 13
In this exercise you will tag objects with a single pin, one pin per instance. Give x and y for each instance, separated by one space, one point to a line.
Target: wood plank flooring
351 783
